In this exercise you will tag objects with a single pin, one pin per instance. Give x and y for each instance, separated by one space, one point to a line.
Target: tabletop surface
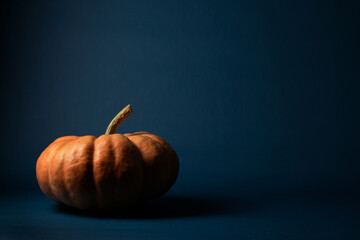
33 216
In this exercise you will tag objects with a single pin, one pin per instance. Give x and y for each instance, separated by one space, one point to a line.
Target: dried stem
118 119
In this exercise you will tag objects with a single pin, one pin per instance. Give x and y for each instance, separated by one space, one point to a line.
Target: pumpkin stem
118 119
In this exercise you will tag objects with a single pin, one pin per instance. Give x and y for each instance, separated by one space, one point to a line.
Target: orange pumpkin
108 173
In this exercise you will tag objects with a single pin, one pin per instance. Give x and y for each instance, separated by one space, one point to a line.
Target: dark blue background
260 99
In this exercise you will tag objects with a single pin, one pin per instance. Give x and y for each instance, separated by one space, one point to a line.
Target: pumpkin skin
109 173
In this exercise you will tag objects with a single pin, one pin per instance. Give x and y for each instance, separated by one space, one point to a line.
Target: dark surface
260 99
294 216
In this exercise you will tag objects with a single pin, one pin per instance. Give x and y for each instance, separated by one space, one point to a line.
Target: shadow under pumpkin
168 207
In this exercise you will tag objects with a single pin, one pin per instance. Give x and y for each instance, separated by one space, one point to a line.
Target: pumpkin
110 173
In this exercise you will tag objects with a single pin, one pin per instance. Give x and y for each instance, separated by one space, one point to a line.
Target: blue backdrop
258 98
